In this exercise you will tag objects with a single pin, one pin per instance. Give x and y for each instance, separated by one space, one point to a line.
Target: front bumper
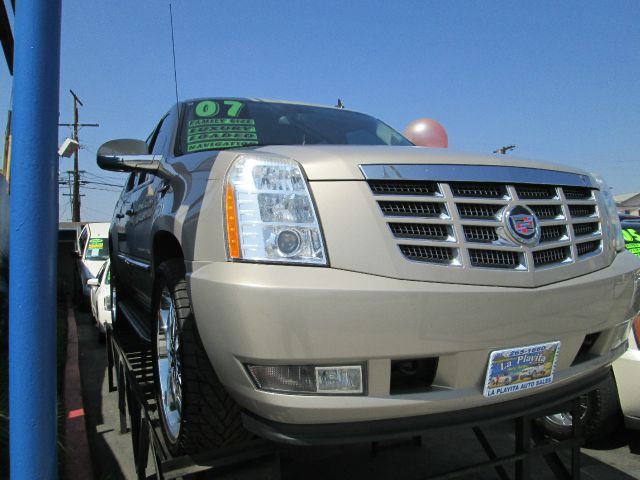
542 402
275 314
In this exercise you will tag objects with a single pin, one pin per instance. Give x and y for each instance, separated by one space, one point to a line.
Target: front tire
599 415
196 412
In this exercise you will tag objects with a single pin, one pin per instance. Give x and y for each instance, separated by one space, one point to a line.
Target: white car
627 372
601 409
92 250
101 297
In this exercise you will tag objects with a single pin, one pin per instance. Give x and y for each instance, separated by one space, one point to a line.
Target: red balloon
425 132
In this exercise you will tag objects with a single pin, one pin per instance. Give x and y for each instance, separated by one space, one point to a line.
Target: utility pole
504 150
75 215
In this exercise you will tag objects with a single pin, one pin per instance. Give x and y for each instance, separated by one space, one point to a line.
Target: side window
131 181
141 178
164 135
151 140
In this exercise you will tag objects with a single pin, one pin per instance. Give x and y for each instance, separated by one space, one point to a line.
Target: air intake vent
552 255
411 209
404 188
577 211
478 190
494 258
419 230
588 247
577 193
474 233
582 229
423 253
545 212
472 210
552 233
536 192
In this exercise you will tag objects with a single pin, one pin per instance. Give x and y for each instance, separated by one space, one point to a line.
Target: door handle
131 212
119 215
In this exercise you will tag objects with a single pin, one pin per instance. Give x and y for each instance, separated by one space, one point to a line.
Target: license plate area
520 368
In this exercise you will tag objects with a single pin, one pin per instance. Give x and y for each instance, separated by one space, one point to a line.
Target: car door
118 232
144 201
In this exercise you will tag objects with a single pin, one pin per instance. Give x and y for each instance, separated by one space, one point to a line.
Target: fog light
339 379
308 379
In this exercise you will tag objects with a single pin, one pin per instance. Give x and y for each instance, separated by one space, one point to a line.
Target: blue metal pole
33 241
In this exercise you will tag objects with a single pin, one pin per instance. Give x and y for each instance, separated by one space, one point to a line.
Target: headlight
270 216
613 221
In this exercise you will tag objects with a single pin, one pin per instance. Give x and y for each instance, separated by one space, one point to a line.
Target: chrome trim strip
475 173
135 263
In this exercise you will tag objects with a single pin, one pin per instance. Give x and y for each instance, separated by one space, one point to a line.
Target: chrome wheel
169 365
565 419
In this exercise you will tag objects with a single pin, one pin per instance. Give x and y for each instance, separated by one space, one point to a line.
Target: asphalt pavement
617 458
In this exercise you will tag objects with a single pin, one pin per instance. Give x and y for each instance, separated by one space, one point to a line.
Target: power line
75 215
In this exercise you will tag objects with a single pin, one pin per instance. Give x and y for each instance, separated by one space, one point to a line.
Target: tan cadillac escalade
306 274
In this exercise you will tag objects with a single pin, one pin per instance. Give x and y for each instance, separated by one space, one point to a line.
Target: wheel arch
165 246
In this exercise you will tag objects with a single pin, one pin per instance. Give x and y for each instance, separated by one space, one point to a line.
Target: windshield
96 249
218 124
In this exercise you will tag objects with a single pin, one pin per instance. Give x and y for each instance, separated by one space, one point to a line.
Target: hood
342 162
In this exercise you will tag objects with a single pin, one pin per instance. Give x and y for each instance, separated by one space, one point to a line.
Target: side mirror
128 155
93 282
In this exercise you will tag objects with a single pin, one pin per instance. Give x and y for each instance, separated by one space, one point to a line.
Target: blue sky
557 79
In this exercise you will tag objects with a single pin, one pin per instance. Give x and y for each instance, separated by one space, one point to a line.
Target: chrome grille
582 229
588 247
478 190
552 255
537 192
404 188
411 209
577 193
470 210
419 230
578 211
427 254
552 233
544 212
461 223
494 258
475 233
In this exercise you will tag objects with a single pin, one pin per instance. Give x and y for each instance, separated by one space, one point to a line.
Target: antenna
173 46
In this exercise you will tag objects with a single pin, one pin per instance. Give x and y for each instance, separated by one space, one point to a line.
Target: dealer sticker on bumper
515 369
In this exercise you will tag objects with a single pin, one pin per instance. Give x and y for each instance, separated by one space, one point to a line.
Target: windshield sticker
223 131
96 243
207 108
95 252
631 240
